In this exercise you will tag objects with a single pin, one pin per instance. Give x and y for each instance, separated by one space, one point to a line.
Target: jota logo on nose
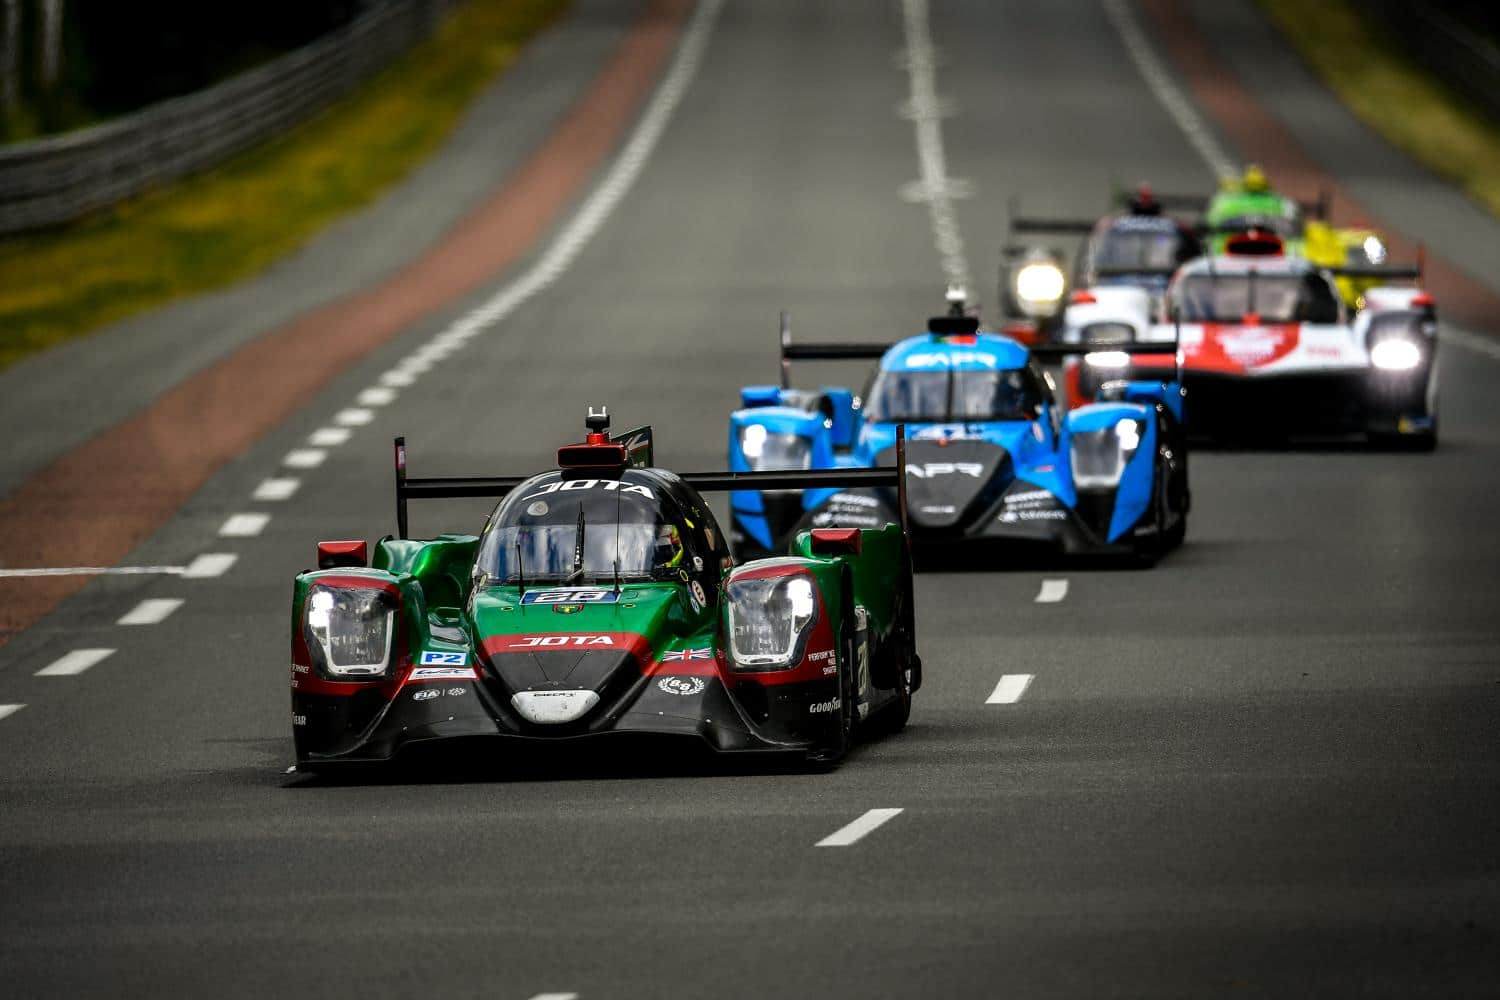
526 641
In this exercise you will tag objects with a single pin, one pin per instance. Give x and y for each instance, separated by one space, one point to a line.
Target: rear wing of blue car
938 326
495 487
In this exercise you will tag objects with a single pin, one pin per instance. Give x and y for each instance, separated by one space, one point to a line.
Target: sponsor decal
427 694
830 669
300 668
938 508
700 653
567 609
571 595
538 508
442 674
819 656
943 360
930 470
1250 345
1013 516
527 641
1030 496
826 518
1413 425
434 658
698 594
943 432
299 720
575 485
820 707
853 500
683 686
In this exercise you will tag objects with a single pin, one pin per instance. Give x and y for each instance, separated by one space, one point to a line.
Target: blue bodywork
1034 454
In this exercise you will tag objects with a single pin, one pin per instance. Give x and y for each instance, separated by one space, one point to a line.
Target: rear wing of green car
495 487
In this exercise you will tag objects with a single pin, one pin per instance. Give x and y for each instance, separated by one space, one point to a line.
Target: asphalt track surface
1267 767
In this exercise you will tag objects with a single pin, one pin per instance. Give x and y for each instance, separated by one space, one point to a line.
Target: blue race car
990 453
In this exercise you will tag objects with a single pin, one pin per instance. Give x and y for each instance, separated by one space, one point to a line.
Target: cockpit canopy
573 530
1151 244
1224 297
951 396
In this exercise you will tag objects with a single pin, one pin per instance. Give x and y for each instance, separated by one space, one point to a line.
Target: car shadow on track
470 762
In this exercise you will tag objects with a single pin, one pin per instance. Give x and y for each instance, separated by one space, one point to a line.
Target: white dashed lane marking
926 111
150 611
555 996
1170 96
93 571
210 564
244 525
378 395
859 829
8 710
304 458
355 416
327 437
74 663
1010 689
1052 591
276 489
398 378
554 261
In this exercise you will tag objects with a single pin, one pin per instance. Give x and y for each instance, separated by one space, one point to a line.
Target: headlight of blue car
766 451
1099 457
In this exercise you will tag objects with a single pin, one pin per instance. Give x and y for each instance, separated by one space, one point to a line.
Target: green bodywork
443 612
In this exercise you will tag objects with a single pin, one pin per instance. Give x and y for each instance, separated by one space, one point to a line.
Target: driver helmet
668 547
1255 179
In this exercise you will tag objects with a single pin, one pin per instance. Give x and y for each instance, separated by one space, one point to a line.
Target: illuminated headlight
1395 355
770 619
1099 457
349 630
1374 249
1039 284
765 451
1107 359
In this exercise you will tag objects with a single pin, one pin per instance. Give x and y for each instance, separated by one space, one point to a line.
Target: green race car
600 600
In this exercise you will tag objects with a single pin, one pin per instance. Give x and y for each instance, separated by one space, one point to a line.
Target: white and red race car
1266 349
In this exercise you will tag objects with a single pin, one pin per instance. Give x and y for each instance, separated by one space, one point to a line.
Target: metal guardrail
1467 61
50 181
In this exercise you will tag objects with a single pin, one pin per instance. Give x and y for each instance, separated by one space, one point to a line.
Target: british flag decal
702 653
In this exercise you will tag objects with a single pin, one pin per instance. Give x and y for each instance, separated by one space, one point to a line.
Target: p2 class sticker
683 686
442 674
434 658
571 595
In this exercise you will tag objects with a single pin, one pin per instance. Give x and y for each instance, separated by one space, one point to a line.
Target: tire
895 715
831 757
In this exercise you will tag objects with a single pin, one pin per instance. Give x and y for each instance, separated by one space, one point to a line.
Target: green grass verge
1393 94
228 223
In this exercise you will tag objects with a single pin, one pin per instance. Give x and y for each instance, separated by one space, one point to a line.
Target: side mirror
335 555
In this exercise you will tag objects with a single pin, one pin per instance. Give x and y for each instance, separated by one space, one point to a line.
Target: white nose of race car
553 707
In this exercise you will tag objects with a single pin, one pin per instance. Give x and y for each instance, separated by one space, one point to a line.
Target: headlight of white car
349 630
1395 354
1039 287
